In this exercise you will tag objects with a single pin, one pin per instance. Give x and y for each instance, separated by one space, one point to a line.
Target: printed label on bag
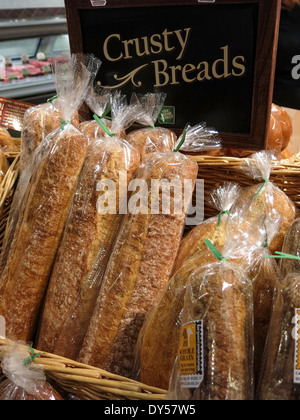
190 354
297 348
2 326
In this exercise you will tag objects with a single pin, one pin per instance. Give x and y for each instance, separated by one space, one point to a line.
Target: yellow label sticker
190 354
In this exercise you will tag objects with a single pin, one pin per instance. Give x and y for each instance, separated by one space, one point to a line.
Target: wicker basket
7 189
86 382
215 170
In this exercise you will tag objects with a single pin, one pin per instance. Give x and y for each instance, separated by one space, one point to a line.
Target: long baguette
84 250
138 270
42 217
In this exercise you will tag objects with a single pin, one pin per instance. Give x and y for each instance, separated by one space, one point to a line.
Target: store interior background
34 26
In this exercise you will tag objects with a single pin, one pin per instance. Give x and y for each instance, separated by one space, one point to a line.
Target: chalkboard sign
214 60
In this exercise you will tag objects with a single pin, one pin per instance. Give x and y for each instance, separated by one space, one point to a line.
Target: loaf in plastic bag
24 381
140 264
215 354
291 246
86 245
41 206
150 139
266 198
38 122
222 199
280 377
161 328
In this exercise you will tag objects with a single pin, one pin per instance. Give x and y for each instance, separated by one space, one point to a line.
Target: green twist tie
31 357
214 250
103 126
260 189
162 117
106 112
181 142
282 255
50 100
220 216
63 124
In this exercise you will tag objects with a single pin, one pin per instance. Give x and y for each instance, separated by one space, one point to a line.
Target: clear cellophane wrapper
265 197
99 101
222 199
150 139
41 120
215 353
291 246
24 381
41 204
199 139
239 237
280 374
86 245
140 264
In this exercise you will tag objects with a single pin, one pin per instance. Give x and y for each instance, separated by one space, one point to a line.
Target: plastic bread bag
24 381
291 246
151 138
161 329
38 122
141 260
85 247
222 199
215 353
41 206
265 277
99 101
280 370
199 139
266 197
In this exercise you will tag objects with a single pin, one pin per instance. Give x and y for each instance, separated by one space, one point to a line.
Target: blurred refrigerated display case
27 48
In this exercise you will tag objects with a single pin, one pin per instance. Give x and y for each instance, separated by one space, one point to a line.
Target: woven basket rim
84 381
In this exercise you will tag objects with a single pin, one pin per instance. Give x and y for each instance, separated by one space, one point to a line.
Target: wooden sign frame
264 62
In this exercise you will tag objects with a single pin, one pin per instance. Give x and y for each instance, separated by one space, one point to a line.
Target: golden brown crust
225 312
7 143
278 371
41 392
138 270
161 329
38 231
84 248
151 140
270 199
39 121
94 131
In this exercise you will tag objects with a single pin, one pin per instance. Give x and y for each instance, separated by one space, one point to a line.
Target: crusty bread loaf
39 227
93 130
220 296
84 250
38 122
193 242
138 270
264 274
267 201
280 358
9 391
7 143
161 329
151 140
280 130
